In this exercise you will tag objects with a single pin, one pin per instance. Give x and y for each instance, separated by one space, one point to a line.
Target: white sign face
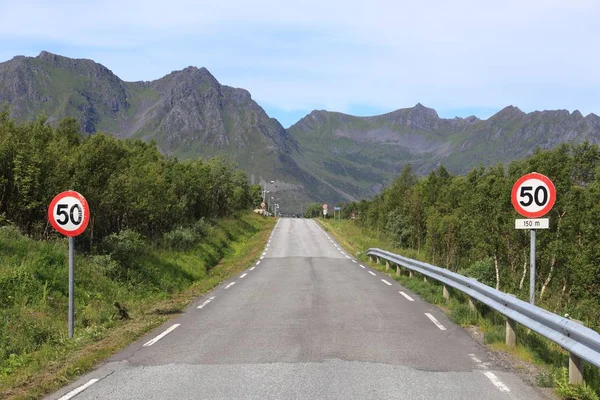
533 195
69 213
538 223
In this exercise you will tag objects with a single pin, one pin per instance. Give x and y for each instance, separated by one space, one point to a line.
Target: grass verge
550 358
165 282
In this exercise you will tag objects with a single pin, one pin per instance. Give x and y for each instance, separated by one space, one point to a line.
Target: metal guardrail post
575 365
472 305
511 333
397 270
445 292
411 273
511 330
387 265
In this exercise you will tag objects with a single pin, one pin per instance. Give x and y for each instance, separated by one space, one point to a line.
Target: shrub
124 247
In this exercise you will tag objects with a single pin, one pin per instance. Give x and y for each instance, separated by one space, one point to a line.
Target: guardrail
581 342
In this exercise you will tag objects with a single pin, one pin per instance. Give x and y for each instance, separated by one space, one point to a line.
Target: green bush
483 271
181 239
568 391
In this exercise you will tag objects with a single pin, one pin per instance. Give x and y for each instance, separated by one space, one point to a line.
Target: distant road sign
69 213
539 223
337 208
533 195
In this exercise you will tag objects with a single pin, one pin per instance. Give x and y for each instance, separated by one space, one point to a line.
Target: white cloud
446 54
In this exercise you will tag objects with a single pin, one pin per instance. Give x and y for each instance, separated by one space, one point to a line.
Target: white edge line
362 266
372 273
243 275
258 262
261 257
230 285
386 282
407 296
435 321
78 390
252 269
497 382
347 256
354 261
162 335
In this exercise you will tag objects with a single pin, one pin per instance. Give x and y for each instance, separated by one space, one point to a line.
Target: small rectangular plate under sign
531 223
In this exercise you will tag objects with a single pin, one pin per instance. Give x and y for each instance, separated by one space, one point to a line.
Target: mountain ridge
325 156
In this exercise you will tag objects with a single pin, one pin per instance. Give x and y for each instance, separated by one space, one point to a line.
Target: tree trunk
497 271
553 261
524 272
549 277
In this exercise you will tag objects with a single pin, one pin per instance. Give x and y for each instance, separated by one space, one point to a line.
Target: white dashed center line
206 302
386 282
372 273
162 335
435 321
407 296
230 285
243 275
78 390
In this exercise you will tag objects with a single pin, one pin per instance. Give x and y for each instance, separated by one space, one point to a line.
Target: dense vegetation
157 227
128 184
466 224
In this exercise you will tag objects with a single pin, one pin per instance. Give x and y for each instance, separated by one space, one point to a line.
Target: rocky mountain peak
509 112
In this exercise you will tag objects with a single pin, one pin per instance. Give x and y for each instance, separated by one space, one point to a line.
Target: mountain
188 113
326 156
358 154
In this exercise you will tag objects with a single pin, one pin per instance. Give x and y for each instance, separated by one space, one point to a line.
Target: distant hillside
325 157
357 154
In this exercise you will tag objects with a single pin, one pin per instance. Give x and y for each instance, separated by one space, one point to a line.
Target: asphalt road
307 322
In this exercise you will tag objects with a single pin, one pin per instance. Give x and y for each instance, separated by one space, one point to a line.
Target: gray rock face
326 156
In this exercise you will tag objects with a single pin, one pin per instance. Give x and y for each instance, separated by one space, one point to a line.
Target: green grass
532 348
35 354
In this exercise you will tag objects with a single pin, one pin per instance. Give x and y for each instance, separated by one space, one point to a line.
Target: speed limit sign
533 195
69 213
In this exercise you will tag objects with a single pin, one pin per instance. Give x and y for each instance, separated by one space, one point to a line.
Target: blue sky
460 57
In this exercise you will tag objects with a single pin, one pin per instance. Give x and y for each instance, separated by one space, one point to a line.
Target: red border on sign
551 200
86 213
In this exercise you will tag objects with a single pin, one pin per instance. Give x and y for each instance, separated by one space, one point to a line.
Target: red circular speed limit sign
533 195
69 213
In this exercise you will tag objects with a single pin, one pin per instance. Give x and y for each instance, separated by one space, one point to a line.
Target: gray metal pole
71 284
532 269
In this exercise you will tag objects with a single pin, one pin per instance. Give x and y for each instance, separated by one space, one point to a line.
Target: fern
568 391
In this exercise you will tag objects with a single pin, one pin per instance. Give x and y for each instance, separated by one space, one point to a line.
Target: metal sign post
532 268
69 214
71 284
533 196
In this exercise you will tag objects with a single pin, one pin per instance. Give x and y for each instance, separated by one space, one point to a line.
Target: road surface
306 321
